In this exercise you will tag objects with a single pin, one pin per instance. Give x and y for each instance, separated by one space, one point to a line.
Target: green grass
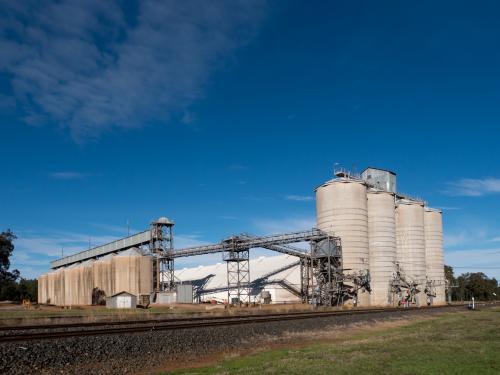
454 343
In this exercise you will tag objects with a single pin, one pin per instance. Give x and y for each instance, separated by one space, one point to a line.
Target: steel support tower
238 271
160 246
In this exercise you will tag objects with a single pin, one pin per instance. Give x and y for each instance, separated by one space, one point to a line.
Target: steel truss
333 286
237 260
322 278
323 281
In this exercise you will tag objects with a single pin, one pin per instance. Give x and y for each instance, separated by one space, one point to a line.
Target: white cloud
454 239
475 187
90 67
187 240
475 260
299 198
67 175
271 226
478 235
34 251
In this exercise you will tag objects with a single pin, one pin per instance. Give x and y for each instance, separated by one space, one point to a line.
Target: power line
478 267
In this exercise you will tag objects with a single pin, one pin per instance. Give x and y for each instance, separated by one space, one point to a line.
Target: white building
211 280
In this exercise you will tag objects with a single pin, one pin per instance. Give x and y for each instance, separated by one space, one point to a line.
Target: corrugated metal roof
258 267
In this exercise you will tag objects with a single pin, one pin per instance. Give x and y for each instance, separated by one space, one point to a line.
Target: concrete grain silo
133 272
71 290
42 289
50 287
86 282
410 240
59 287
341 210
104 277
434 252
382 244
146 275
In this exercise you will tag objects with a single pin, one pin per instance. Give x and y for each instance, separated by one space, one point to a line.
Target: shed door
123 302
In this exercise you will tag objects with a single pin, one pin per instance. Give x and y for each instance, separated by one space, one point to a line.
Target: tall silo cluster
434 262
382 244
383 232
74 284
342 211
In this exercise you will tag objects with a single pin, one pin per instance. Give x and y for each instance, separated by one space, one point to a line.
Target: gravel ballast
140 352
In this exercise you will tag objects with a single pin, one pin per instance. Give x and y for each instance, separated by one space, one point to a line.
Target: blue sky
226 116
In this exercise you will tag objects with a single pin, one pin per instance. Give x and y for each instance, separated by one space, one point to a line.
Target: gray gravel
132 353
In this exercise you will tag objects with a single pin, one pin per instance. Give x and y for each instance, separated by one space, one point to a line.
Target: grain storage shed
122 300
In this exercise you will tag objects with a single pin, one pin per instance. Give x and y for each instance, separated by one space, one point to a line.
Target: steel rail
186 323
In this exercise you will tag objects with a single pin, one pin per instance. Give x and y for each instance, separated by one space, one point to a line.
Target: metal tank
341 210
382 245
434 253
410 241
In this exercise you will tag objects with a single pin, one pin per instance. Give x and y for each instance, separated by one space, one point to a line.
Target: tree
8 285
6 249
476 285
10 288
28 289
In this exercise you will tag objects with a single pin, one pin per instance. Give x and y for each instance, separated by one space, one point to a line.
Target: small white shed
121 300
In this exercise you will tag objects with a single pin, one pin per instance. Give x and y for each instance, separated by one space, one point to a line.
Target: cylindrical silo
410 240
434 253
71 285
146 275
59 287
50 287
382 244
126 267
104 277
341 210
42 288
86 283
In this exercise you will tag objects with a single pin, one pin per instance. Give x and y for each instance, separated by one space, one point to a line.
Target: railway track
57 331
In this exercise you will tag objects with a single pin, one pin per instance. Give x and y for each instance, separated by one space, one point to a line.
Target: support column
161 247
305 279
238 275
